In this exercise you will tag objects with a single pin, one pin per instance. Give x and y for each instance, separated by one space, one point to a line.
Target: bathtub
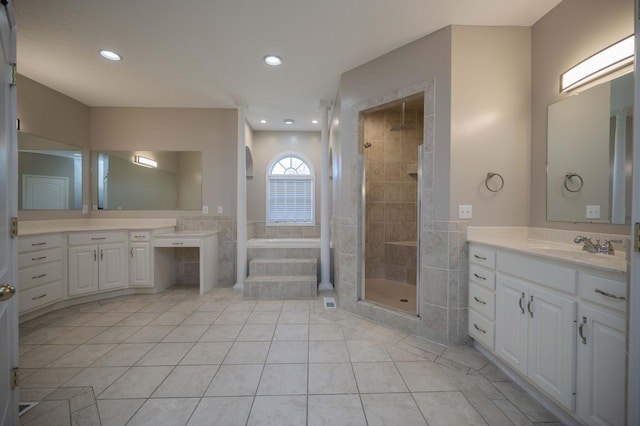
283 243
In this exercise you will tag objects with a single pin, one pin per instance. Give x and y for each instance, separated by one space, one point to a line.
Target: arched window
290 191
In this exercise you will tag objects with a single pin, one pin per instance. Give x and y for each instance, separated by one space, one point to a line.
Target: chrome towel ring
569 178
490 178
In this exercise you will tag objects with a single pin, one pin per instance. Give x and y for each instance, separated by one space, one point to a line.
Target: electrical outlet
219 209
464 211
205 209
593 212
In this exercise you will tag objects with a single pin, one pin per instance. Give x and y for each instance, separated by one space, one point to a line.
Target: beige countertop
35 227
556 248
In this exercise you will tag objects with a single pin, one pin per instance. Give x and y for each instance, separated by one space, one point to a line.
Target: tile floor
394 294
178 358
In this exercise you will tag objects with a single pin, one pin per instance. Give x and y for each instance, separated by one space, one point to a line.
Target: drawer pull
39 244
479 301
138 236
479 277
39 276
520 303
479 257
38 258
39 297
580 328
98 238
613 296
479 329
178 243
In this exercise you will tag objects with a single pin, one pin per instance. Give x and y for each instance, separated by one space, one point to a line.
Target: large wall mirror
49 174
589 157
146 180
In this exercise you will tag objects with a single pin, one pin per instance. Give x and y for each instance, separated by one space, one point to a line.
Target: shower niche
391 139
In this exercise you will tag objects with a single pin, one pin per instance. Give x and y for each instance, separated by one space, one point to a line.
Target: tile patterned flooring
178 358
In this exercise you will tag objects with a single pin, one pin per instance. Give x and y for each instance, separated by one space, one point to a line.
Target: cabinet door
511 321
551 354
83 270
113 266
140 265
601 367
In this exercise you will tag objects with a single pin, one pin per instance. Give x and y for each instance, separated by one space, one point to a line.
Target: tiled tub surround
179 358
258 229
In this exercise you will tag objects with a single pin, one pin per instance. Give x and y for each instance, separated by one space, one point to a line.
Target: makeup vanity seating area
552 317
66 262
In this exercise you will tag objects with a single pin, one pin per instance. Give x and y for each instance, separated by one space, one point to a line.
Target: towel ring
489 177
569 177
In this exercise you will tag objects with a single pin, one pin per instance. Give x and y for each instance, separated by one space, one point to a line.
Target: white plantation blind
290 192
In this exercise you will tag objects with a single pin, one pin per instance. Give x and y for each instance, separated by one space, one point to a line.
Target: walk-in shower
391 141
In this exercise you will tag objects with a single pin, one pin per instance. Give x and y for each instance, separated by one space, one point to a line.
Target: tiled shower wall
187 259
444 254
391 193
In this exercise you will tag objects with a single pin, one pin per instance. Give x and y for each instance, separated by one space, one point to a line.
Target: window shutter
290 200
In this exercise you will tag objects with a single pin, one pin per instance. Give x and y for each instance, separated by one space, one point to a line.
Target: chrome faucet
606 247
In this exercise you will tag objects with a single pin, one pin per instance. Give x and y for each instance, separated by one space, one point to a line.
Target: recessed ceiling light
110 55
288 121
314 121
273 60
263 121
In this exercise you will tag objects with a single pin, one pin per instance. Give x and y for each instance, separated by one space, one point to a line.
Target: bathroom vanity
554 318
65 262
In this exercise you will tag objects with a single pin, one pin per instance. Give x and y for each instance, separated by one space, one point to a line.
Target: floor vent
330 302
23 407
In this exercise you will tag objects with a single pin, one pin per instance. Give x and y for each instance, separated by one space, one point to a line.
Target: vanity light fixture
606 61
288 121
144 161
273 60
110 55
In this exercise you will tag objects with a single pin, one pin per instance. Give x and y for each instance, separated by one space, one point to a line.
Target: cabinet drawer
38 242
482 256
482 300
38 275
39 257
176 242
603 291
139 236
481 329
96 238
547 273
482 276
40 296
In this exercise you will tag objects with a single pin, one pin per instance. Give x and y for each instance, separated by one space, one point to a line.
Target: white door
8 209
45 192
552 353
601 367
511 321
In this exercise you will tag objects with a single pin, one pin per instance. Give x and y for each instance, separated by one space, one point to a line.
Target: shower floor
389 293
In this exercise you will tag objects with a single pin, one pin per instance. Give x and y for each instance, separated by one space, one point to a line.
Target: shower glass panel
392 135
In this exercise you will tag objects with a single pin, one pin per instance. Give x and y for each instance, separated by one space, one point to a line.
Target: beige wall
266 146
490 116
212 131
52 115
421 61
573 31
189 179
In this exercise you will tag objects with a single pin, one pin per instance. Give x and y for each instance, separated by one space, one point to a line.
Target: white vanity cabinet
140 260
40 271
601 348
482 295
97 261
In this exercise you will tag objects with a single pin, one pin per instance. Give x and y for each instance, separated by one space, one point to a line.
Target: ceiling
208 53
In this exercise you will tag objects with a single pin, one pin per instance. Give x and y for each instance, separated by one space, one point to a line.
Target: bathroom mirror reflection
49 174
589 154
146 180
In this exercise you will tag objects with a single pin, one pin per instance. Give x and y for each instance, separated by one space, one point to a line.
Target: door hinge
636 237
13 81
15 377
14 227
